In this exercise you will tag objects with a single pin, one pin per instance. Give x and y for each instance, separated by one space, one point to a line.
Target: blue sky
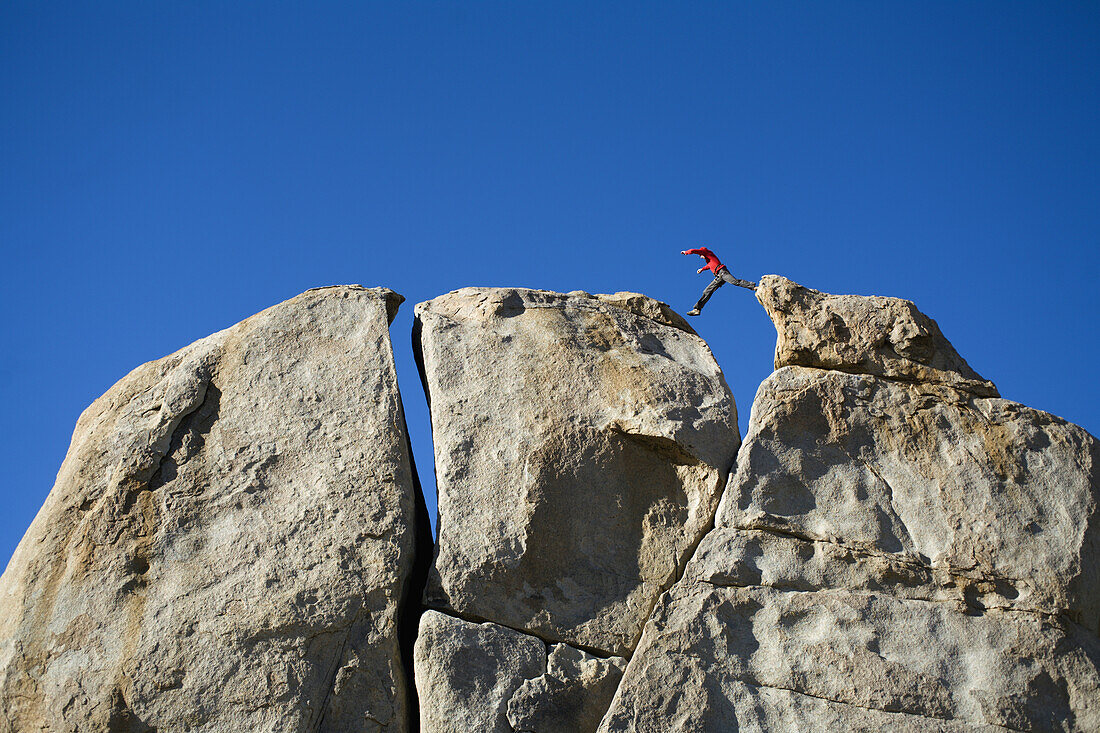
168 169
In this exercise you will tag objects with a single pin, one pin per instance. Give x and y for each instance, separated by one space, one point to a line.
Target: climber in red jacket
721 277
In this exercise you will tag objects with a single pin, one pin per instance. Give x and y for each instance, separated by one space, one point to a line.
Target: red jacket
713 263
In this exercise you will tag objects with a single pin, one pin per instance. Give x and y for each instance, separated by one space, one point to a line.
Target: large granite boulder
896 550
229 539
582 443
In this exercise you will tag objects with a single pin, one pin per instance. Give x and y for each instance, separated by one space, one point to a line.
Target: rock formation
885 337
233 540
582 443
897 550
228 542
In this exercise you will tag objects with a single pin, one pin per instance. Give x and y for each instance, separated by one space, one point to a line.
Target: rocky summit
237 542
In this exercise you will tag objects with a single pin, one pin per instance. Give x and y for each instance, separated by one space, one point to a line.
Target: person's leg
716 283
724 273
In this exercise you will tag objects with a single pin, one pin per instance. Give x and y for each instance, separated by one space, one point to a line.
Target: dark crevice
186 438
418 357
412 603
665 447
122 718
974 388
971 609
681 566
912 562
685 558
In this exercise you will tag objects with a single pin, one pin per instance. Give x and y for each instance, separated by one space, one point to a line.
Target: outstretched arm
691 252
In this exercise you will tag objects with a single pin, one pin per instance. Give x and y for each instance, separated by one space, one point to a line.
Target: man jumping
721 277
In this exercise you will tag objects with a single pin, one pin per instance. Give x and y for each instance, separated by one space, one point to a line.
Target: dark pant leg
725 275
716 283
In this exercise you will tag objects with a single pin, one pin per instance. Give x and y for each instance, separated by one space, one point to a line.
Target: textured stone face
581 446
764 658
485 677
571 697
891 554
228 539
985 489
874 335
466 673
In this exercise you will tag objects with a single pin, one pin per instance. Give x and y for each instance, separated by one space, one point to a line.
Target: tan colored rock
895 551
228 540
976 487
467 672
874 335
486 677
581 446
571 697
758 658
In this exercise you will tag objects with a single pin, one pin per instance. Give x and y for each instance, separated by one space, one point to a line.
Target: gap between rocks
474 619
412 605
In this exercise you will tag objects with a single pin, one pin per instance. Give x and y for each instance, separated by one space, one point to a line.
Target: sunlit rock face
582 443
897 550
228 541
875 335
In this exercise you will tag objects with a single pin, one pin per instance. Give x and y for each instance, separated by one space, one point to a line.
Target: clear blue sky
167 169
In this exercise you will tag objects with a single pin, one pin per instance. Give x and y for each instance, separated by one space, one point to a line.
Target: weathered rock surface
859 651
571 697
886 337
228 540
485 677
894 552
466 673
581 445
1000 497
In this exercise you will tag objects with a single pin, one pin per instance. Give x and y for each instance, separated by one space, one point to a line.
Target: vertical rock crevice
412 603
